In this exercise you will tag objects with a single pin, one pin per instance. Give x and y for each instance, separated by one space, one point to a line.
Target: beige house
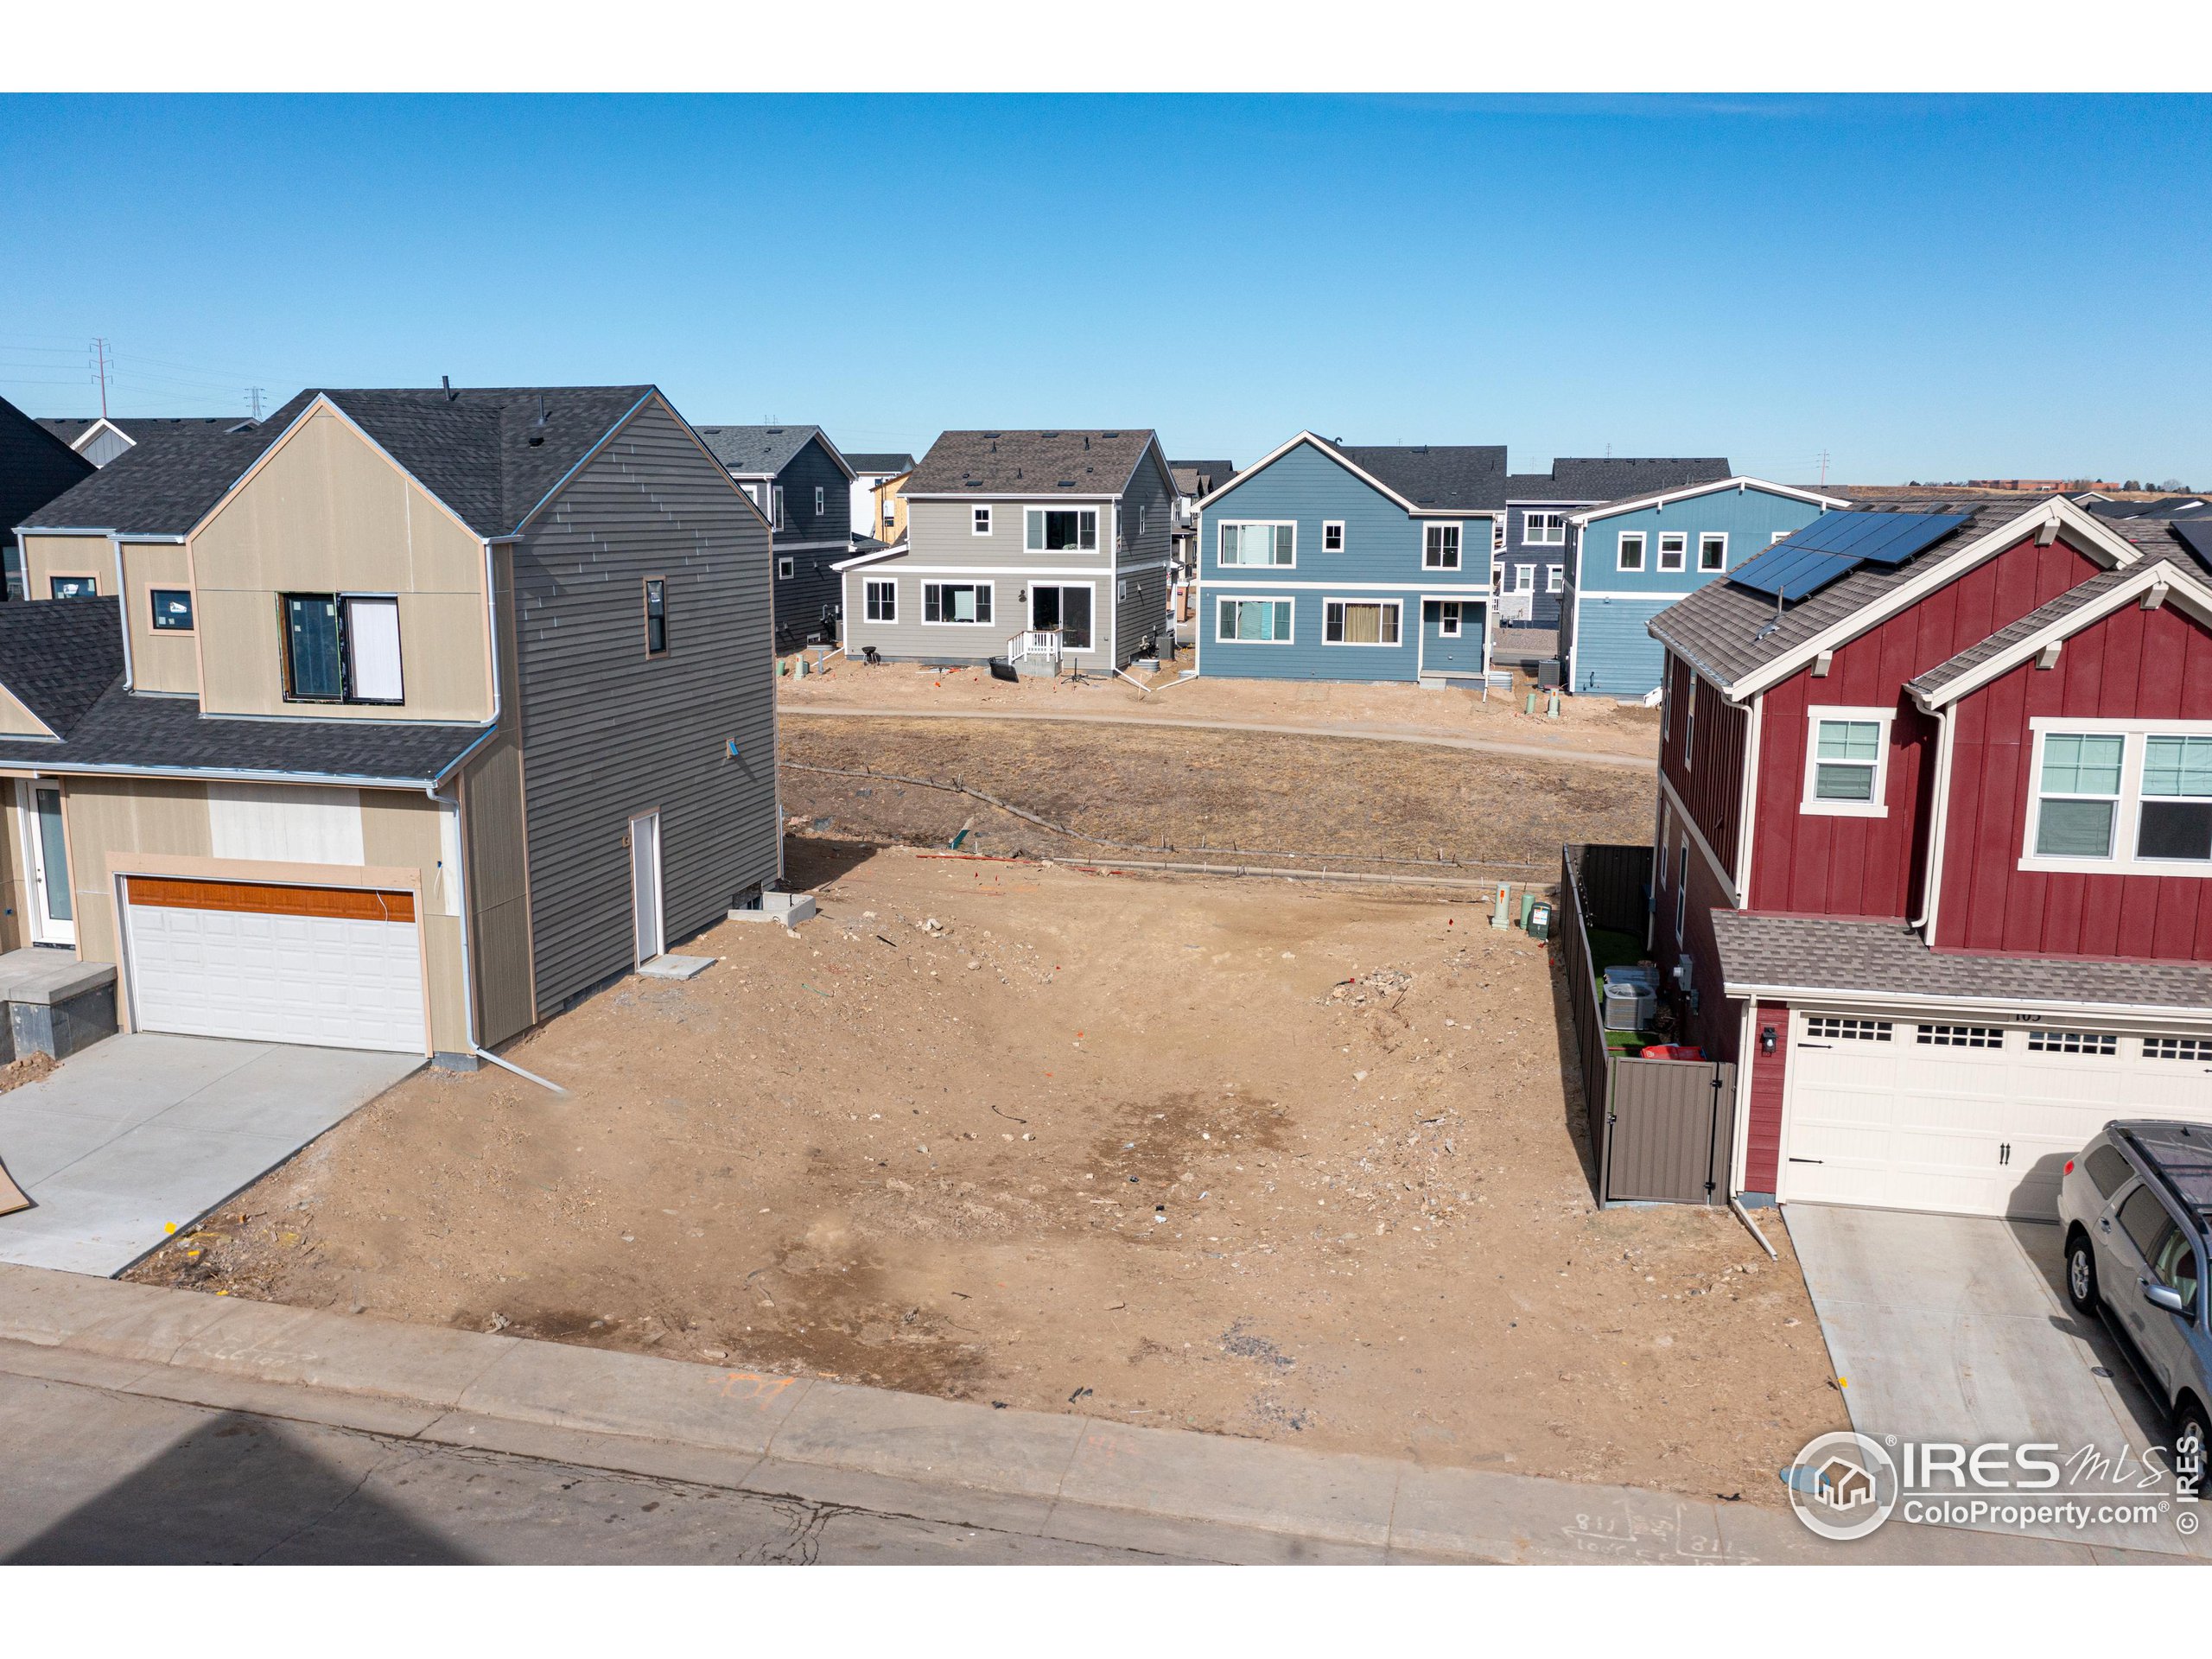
401 720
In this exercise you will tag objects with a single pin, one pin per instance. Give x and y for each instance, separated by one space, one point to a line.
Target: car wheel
2081 1274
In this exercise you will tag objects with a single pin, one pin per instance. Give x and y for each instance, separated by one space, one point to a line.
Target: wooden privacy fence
1662 1130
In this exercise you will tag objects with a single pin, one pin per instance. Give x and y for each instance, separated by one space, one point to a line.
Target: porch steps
56 1004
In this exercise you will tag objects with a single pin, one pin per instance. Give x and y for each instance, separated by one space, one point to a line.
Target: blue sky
1924 287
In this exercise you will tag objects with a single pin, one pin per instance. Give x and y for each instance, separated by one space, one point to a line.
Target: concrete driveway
145 1132
1956 1328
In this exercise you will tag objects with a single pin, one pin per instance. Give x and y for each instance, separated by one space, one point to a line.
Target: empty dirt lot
1258 1159
1210 797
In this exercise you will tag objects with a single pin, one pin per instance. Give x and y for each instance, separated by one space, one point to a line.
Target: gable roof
1691 492
59 655
73 429
764 451
1585 479
490 454
1199 477
1068 461
1743 641
888 465
1443 477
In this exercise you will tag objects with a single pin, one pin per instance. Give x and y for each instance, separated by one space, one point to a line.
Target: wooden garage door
1966 1119
340 967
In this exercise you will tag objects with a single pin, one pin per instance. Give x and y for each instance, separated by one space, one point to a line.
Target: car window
2175 1265
2144 1218
2107 1169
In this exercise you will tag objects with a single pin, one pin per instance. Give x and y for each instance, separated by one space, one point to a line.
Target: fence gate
1669 1127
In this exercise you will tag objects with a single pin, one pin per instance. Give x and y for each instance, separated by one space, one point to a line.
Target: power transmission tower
253 398
102 361
1824 469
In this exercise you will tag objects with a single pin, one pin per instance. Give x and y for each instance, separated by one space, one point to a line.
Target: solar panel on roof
1836 543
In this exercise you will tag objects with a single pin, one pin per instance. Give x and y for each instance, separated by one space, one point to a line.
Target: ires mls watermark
1844 1485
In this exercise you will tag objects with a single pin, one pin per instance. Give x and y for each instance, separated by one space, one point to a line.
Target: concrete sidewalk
1068 1478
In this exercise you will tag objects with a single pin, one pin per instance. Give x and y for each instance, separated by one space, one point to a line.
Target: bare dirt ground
1585 724
1287 1163
1183 794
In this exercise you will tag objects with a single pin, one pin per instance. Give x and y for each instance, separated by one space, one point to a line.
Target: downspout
1924 923
122 604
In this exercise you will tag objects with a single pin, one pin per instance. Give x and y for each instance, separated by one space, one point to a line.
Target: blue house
1339 561
1632 558
1532 554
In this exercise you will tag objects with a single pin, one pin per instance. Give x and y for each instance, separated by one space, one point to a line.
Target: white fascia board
875 557
2158 1015
843 466
2185 589
1333 453
100 425
1006 495
2100 544
1667 497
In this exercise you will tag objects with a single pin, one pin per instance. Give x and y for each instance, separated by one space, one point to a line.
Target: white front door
644 884
1966 1119
52 910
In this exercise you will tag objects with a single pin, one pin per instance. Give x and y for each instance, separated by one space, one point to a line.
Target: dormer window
73 586
171 608
341 648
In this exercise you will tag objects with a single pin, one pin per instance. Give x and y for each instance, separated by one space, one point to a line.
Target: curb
838 1442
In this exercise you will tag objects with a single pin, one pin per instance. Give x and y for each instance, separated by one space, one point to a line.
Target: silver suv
2133 1206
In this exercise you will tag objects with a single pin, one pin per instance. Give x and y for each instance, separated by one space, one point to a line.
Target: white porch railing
1034 645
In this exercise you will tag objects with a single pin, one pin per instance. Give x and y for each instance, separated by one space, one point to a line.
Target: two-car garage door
340 967
1974 1120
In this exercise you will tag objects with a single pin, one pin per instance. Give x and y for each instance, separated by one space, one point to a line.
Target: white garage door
1973 1119
335 966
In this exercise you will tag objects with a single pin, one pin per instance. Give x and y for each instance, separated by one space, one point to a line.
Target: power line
100 371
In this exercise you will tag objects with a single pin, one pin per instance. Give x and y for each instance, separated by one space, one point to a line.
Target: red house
1934 850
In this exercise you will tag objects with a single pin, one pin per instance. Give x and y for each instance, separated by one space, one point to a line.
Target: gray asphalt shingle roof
1448 477
1728 631
58 656
1200 477
758 451
1772 953
483 451
2055 610
1070 460
1582 481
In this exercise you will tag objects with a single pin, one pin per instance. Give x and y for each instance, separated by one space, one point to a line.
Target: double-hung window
882 597
1846 762
956 601
1631 553
1713 551
1274 545
1332 535
1543 529
2135 800
981 523
1359 622
1674 547
1439 547
1554 578
1253 620
341 648
1061 529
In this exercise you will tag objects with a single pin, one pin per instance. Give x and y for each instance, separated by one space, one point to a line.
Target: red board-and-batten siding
1807 864
1763 1126
2133 664
1710 782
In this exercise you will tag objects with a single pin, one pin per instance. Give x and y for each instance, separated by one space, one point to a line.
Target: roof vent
1048 434
446 381
1086 441
537 433
1067 483
1108 435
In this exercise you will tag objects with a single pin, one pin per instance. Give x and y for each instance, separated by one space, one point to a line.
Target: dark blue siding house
796 476
1532 557
1634 557
1340 561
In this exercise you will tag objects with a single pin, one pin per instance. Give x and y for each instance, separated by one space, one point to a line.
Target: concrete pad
1525 1518
609 1392
906 1434
147 1132
1239 1483
361 1355
667 967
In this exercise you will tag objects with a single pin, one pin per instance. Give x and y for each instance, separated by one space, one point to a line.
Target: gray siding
939 533
1144 556
608 731
813 585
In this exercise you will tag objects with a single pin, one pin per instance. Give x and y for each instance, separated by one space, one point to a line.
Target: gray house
1534 566
795 475
1048 548
402 721
101 438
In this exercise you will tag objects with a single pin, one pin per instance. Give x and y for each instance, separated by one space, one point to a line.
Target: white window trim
1098 531
1522 578
1054 580
1719 535
1459 545
1877 808
1554 578
1327 525
1643 551
1220 600
1680 553
1547 540
1682 894
2127 816
1498 534
985 585
1398 606
776 500
868 595
1221 524
1449 619
980 521
786 567
818 501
